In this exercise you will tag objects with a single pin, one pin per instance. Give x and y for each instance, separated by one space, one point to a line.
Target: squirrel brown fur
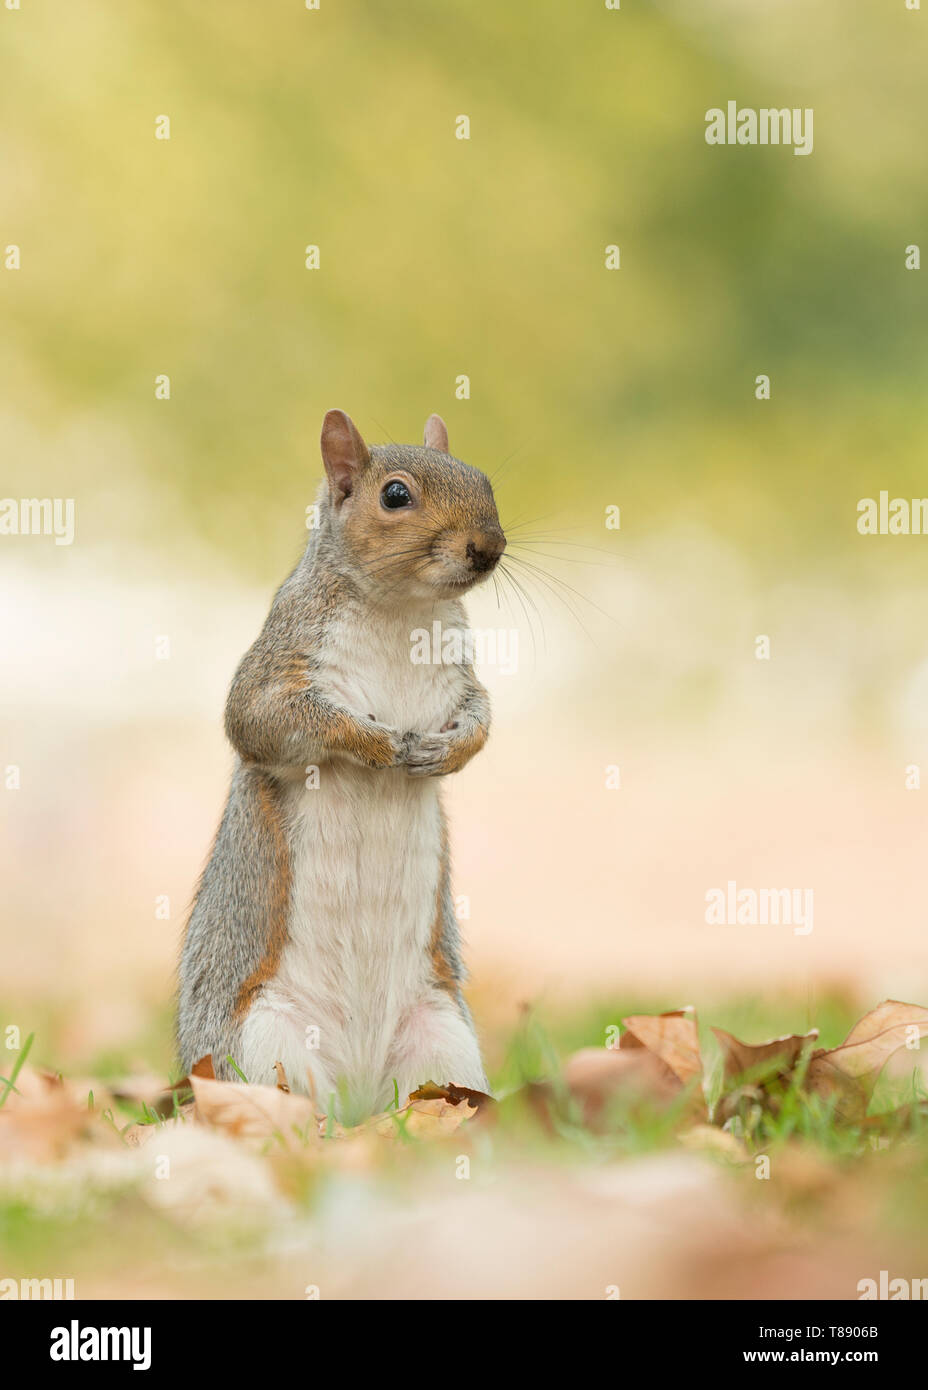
323 934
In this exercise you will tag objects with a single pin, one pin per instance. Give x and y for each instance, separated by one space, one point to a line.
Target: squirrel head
413 522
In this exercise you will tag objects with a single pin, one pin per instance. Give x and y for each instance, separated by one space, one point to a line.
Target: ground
573 1185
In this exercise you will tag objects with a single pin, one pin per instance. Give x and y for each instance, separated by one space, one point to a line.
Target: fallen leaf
673 1037
755 1075
598 1078
254 1111
430 1090
846 1075
140 1088
424 1119
757 1063
656 1062
41 1117
137 1135
892 1013
214 1180
149 1091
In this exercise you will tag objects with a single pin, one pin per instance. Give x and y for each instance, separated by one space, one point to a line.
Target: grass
10 1085
64 1223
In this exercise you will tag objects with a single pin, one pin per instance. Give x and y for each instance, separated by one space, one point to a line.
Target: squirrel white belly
323 934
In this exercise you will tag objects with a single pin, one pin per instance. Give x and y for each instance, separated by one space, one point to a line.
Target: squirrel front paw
378 745
427 754
437 755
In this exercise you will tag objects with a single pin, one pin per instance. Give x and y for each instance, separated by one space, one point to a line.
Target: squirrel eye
395 495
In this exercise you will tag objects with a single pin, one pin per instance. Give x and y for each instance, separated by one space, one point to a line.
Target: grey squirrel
323 933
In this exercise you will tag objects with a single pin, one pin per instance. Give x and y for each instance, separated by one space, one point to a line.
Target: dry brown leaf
41 1117
94 1096
761 1062
204 1068
282 1083
215 1180
137 1135
254 1111
424 1119
825 1078
892 1013
657 1060
430 1118
673 1037
847 1074
755 1074
150 1091
598 1077
430 1090
140 1088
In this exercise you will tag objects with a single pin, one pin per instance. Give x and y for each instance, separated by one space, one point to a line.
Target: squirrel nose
483 551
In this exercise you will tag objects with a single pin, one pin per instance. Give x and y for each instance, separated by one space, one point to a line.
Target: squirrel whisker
553 579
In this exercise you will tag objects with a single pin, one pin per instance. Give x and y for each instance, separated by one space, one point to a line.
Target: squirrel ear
344 453
436 433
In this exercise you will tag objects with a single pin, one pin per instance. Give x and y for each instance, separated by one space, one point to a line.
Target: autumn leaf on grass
158 1099
138 1134
152 1094
431 1111
424 1119
603 1081
216 1182
672 1037
756 1075
430 1090
254 1112
86 1093
847 1074
42 1116
656 1065
746 1063
169 1102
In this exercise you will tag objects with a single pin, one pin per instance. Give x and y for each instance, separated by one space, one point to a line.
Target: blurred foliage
486 257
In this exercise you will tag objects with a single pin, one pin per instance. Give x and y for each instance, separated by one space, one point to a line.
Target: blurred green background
442 257
485 257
